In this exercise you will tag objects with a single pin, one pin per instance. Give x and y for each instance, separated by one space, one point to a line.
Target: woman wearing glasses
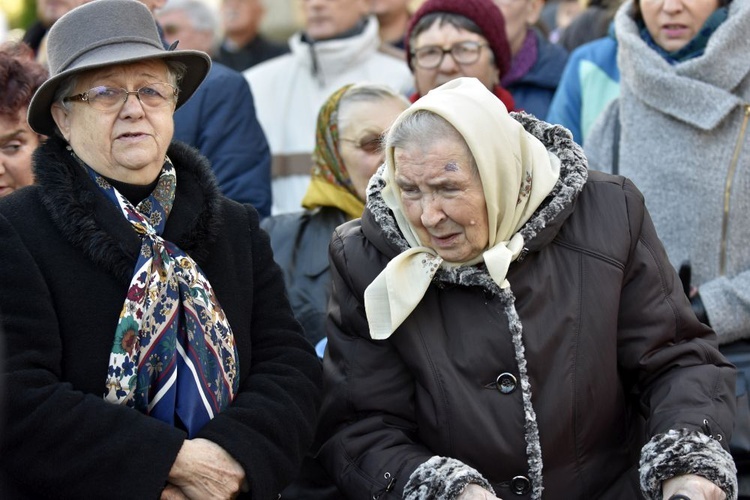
347 153
447 39
151 351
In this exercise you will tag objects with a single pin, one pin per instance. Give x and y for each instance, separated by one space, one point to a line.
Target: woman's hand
476 492
692 486
203 469
172 492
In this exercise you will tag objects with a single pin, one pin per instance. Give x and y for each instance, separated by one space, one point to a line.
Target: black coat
66 262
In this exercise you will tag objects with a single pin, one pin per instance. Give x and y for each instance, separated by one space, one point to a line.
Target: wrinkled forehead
150 70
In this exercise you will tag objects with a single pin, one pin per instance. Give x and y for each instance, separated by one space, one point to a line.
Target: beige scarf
517 174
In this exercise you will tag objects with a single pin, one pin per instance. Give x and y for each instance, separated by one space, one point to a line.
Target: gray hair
370 92
423 129
201 16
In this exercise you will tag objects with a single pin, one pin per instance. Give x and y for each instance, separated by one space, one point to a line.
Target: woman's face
673 23
17 143
128 143
442 196
361 124
446 36
519 16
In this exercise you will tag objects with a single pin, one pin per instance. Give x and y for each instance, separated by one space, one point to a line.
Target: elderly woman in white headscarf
151 350
505 323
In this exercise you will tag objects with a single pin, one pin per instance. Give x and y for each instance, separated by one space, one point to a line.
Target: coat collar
381 229
329 58
91 223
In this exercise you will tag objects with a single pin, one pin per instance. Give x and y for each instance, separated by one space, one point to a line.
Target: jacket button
520 485
506 383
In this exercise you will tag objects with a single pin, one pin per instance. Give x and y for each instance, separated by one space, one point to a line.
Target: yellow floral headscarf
330 183
517 174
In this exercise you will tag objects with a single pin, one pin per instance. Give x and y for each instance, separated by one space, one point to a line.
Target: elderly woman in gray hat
150 348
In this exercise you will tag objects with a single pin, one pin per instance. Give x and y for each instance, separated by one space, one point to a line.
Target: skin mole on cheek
451 167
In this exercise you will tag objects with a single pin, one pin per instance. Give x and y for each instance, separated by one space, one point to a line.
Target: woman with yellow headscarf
347 152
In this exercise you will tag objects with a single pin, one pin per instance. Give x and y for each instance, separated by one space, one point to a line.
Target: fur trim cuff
683 451
443 478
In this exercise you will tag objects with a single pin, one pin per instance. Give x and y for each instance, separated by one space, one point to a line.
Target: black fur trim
77 209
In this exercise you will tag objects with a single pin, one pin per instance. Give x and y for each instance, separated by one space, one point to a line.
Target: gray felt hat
106 33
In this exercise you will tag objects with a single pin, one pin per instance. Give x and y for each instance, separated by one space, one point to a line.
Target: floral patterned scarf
330 184
173 356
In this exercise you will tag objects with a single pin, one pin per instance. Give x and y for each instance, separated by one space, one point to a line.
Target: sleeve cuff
679 452
444 478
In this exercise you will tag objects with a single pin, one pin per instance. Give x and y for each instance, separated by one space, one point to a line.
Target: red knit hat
484 13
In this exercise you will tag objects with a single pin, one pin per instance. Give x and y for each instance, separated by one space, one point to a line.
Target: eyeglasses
370 145
431 56
152 95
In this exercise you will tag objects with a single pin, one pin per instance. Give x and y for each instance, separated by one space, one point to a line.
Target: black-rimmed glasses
431 56
152 95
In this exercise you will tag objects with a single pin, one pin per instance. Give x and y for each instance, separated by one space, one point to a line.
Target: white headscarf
517 174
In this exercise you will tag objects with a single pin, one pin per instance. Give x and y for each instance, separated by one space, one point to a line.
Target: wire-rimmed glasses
103 98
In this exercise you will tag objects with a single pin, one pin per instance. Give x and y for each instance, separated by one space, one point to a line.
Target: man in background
219 119
339 45
393 17
243 45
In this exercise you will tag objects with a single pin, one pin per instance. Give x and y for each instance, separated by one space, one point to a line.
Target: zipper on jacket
728 191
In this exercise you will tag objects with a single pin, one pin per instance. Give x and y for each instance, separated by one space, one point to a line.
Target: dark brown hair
20 76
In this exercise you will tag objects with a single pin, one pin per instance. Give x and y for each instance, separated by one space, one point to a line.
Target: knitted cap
484 13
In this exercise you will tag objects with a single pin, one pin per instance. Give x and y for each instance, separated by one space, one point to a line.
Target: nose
432 211
132 107
448 64
672 6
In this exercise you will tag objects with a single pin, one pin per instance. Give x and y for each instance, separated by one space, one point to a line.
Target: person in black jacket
151 351
347 153
505 323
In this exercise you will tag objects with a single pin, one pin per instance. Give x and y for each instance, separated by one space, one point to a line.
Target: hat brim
197 63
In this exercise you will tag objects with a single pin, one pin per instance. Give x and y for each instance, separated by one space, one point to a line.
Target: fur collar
92 224
381 228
